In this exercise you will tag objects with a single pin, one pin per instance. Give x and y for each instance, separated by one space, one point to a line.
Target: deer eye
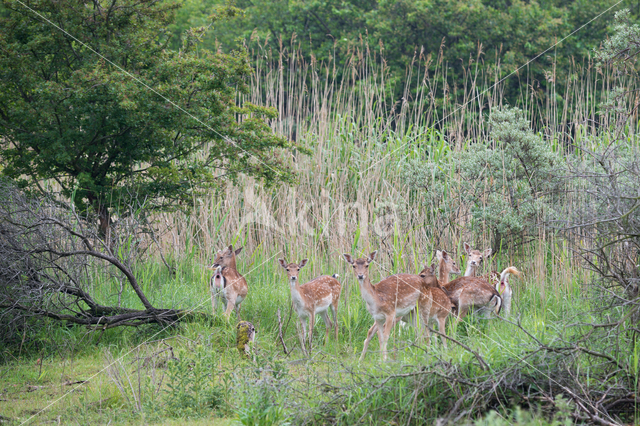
287 269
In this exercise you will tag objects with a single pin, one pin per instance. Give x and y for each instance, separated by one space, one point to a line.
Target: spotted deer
393 297
434 303
318 296
227 283
467 292
499 280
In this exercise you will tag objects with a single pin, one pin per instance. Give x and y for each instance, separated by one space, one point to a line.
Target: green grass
75 354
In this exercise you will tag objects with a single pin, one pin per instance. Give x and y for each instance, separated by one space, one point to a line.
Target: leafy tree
512 32
92 97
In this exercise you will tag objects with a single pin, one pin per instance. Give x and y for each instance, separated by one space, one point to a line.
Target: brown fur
434 303
315 297
393 297
235 289
467 292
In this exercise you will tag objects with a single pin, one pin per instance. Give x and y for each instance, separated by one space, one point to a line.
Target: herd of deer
414 299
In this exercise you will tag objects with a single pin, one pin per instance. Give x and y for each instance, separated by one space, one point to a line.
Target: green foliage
191 388
623 46
464 32
507 184
105 108
263 393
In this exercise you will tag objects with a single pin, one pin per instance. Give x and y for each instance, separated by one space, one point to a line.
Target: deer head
293 269
475 258
361 266
450 264
226 258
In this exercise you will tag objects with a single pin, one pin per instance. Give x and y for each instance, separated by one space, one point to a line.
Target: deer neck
443 272
368 291
297 297
471 270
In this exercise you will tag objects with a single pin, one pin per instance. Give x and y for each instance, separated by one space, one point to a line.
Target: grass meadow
351 198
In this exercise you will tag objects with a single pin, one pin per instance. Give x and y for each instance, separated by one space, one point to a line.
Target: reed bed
351 196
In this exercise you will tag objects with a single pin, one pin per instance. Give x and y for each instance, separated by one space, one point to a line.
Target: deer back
320 288
399 291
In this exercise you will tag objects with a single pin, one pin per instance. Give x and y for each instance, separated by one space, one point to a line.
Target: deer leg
372 330
462 311
328 324
214 302
388 326
304 335
231 303
312 323
334 311
442 322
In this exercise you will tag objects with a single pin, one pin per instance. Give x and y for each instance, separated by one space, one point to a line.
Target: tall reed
350 196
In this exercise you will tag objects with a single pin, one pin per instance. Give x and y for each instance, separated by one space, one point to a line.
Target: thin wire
499 82
127 353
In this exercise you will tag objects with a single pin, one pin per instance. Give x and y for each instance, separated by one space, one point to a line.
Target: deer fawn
315 297
434 303
227 283
394 297
467 292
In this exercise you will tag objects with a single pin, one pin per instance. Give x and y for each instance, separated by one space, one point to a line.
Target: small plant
192 390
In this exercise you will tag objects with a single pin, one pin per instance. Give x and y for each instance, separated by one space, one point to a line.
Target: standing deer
434 304
467 292
227 283
391 298
499 280
315 297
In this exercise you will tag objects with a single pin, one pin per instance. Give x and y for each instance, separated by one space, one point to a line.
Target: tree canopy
93 97
484 32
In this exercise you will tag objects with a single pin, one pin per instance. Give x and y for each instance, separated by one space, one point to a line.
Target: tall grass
351 196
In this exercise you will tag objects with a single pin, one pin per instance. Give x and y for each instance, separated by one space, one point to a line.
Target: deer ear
372 256
282 263
439 254
487 252
303 262
444 255
467 248
348 258
238 251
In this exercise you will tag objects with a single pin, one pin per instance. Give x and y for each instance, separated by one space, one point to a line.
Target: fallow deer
394 297
315 297
467 292
499 280
434 303
227 283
